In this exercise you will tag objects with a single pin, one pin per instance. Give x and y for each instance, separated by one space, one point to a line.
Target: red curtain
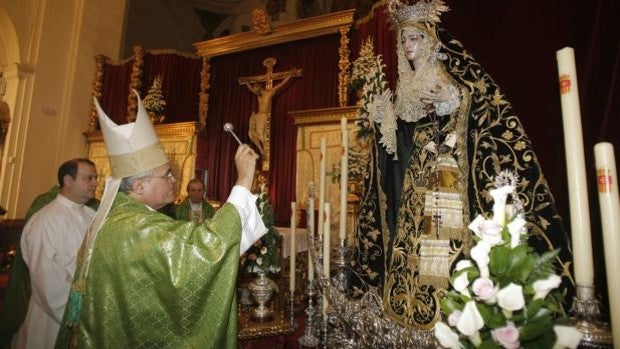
180 84
114 90
231 102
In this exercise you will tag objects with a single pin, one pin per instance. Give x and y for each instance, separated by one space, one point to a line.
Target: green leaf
522 271
535 329
490 317
489 344
498 264
542 342
448 305
533 308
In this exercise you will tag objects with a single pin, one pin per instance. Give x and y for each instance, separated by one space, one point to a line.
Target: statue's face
415 43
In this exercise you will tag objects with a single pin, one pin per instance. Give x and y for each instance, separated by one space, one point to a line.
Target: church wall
52 83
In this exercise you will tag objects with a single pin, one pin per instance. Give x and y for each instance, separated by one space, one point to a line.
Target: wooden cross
260 120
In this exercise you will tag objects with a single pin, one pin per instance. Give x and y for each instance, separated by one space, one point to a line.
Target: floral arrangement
358 161
263 256
506 295
154 101
375 97
367 78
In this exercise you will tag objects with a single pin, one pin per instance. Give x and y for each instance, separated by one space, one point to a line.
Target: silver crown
421 11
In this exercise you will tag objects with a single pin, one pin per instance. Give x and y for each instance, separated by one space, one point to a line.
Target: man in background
49 244
194 208
18 289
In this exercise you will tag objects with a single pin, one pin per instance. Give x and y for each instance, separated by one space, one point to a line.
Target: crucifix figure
260 120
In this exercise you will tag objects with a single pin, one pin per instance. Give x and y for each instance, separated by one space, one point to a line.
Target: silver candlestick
339 280
309 339
586 311
292 312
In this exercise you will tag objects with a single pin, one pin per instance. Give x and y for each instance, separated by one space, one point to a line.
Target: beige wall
48 61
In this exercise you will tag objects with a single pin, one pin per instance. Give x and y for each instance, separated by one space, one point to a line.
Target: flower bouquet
506 295
263 256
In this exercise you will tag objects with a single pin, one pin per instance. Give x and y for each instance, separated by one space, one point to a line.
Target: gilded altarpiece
178 140
312 125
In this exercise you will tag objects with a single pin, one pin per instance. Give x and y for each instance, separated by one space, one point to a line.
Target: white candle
610 221
575 164
326 239
344 178
326 253
291 284
322 166
310 224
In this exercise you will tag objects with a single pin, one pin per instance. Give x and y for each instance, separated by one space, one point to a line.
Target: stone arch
9 45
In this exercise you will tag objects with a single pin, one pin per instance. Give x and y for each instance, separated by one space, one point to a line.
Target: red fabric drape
180 84
114 90
231 102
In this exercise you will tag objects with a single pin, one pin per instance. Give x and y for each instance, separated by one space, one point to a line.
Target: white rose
511 297
499 202
567 337
471 321
485 290
259 261
516 230
544 286
480 254
487 230
446 337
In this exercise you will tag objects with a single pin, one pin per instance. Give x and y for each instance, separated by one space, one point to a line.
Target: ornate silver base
586 312
292 312
309 339
261 291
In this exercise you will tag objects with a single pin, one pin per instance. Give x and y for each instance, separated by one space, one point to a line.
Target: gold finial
261 22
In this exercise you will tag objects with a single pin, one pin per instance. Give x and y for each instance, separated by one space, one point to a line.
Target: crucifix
260 120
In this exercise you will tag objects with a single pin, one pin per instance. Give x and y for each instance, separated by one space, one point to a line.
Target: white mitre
133 148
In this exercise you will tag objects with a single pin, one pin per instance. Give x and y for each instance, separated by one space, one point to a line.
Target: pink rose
454 317
507 336
484 289
252 256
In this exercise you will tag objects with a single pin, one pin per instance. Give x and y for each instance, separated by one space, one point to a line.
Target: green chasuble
155 282
183 210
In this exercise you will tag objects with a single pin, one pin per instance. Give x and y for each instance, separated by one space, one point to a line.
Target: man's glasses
168 177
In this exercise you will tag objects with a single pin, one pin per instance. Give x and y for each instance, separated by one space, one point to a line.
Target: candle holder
309 339
294 324
324 328
340 279
586 312
319 250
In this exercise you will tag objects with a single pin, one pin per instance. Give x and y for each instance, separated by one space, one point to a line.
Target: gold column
135 83
100 60
343 67
203 104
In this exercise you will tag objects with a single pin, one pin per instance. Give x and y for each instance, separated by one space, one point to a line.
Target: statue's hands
437 94
245 162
